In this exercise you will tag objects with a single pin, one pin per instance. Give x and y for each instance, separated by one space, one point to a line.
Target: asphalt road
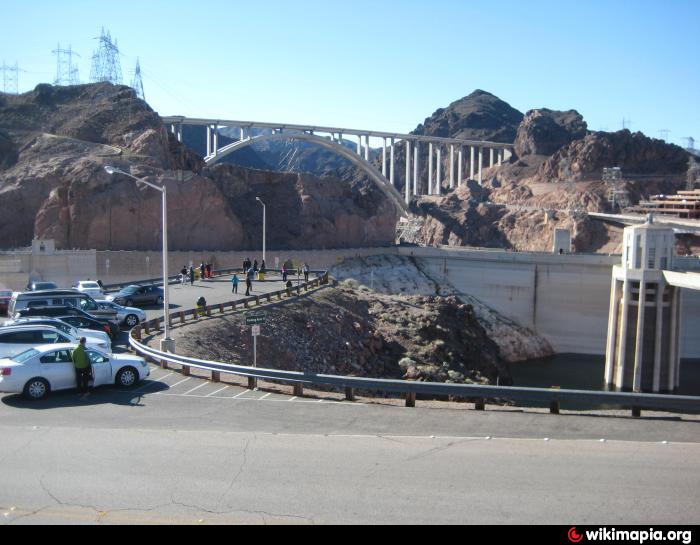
185 450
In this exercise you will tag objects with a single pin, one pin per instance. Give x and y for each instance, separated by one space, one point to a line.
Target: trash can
261 276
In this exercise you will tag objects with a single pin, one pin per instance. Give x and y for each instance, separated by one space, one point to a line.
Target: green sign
254 319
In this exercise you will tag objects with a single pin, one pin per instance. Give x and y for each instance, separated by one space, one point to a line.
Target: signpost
255 320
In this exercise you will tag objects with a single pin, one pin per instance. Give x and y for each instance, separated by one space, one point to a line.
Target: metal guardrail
480 393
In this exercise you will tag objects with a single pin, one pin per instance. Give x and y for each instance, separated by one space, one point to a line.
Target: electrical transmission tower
106 65
663 133
10 79
618 197
66 71
137 82
693 173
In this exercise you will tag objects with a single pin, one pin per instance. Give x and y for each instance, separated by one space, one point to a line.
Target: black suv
75 317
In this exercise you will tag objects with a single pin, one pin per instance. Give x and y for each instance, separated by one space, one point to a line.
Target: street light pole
264 226
167 344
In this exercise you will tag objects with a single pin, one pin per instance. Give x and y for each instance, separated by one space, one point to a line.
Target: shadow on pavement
104 395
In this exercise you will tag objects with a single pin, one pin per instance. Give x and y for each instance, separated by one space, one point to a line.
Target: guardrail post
245 303
185 370
279 295
350 394
137 333
208 311
298 389
216 376
257 300
182 317
233 306
163 364
410 399
158 328
554 405
221 308
146 329
252 383
269 298
636 412
480 404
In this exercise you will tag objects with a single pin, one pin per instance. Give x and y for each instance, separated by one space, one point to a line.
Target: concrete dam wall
566 299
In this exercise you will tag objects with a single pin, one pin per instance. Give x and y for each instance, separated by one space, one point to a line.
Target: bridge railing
476 392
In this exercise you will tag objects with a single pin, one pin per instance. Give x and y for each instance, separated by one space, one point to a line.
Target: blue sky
382 64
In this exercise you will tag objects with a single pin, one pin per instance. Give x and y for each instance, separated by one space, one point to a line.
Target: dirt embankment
347 330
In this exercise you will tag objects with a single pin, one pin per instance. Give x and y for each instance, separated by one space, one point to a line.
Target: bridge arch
374 174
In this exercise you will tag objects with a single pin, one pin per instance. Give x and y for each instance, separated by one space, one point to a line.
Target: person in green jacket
82 367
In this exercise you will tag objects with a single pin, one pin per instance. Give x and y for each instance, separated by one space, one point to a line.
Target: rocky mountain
544 132
55 142
635 153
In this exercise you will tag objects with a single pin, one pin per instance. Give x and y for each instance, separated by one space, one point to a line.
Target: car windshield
44 286
90 285
5 293
24 356
129 291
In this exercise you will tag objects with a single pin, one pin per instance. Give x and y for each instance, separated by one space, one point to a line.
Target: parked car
18 338
40 286
99 334
92 288
73 316
52 298
49 368
127 316
5 297
138 295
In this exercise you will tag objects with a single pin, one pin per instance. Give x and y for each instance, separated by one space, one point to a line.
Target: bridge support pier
481 166
430 168
438 182
408 172
416 155
472 162
452 166
460 163
384 159
391 166
491 154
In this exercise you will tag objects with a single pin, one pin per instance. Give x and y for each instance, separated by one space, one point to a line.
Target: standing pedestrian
255 266
306 272
201 271
234 282
82 367
192 276
284 273
249 281
183 275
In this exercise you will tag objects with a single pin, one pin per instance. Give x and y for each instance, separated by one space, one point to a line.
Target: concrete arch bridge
332 139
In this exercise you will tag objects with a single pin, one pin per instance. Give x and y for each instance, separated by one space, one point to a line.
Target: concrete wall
566 298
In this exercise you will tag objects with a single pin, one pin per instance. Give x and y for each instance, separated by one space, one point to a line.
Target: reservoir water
581 372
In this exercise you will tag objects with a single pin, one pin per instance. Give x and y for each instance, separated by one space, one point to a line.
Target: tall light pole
167 344
264 226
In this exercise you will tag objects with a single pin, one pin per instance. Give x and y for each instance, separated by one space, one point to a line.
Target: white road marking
181 382
239 395
292 399
196 388
221 390
265 396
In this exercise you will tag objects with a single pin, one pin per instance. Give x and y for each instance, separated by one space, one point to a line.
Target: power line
106 65
66 71
137 82
10 79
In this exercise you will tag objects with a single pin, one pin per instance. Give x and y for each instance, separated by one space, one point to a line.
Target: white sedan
49 368
92 288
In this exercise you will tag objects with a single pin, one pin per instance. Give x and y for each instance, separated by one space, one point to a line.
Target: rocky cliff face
544 132
635 153
55 142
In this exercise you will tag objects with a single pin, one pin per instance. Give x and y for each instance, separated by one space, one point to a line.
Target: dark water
580 372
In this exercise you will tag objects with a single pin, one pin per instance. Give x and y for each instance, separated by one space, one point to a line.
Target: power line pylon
10 79
106 65
66 71
137 82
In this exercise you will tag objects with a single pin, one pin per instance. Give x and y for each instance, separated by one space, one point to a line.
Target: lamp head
110 170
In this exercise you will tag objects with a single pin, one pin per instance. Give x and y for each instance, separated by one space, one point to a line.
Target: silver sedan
126 316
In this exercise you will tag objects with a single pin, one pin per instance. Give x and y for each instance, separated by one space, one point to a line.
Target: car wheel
37 388
131 320
159 301
127 377
129 303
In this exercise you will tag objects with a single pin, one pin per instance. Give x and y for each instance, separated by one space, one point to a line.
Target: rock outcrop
346 330
635 153
544 132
